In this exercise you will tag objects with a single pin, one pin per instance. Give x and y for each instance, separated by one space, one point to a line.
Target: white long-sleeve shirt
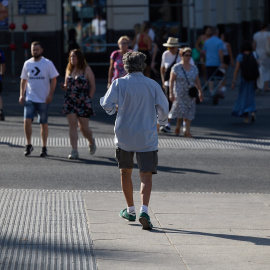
141 104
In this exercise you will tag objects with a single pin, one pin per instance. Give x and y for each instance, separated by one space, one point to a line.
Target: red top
141 44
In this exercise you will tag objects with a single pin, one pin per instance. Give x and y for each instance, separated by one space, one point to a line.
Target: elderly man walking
140 103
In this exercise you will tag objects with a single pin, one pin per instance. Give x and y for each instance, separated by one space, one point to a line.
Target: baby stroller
217 78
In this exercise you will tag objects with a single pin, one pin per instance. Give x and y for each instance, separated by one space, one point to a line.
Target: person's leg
42 109
29 114
187 132
88 134
44 132
127 186
147 163
73 134
125 164
178 126
146 187
86 131
210 73
28 130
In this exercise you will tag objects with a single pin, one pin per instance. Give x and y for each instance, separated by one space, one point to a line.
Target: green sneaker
145 221
125 215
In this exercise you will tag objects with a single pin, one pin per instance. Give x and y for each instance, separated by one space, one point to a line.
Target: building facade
99 23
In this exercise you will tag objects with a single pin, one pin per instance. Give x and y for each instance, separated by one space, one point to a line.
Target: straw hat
187 49
172 42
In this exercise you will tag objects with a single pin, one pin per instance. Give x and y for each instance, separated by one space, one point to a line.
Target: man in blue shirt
2 71
140 103
213 56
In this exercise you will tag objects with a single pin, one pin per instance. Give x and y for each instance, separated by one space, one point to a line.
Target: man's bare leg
127 186
44 132
28 130
146 187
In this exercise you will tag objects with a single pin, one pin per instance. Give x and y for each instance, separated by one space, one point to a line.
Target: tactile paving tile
44 230
163 143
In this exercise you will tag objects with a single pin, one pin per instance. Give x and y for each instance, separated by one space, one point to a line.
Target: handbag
168 70
192 90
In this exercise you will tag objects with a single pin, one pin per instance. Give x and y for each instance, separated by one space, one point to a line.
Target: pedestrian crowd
143 106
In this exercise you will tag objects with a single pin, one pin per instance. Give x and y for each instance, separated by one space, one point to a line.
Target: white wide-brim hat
172 42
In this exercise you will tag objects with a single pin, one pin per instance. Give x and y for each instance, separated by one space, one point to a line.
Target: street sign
32 6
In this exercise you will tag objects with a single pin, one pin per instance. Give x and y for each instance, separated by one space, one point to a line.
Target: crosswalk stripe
163 143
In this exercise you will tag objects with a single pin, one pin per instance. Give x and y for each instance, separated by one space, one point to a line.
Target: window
85 25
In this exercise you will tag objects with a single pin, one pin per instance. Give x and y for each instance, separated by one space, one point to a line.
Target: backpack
249 67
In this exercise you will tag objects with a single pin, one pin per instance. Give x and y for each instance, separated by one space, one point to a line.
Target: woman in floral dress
183 107
80 88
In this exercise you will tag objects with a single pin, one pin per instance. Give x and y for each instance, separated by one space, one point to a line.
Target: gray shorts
147 161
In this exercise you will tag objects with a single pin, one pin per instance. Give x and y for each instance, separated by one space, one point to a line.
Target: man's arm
110 73
52 88
162 73
109 102
162 107
22 91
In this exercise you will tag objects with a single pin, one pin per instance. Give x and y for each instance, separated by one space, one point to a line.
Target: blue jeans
30 108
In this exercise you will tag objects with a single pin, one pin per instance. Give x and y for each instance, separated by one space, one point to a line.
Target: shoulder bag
192 90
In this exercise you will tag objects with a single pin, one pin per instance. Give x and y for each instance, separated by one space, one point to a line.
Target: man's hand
49 99
21 100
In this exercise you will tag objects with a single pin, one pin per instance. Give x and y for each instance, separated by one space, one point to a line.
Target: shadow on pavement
255 240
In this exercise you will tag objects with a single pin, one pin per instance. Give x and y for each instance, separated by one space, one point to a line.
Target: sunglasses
187 55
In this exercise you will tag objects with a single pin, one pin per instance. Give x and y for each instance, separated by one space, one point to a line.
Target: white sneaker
73 155
165 129
92 147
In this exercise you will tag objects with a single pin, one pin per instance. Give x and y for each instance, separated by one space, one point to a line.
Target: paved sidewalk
194 231
79 230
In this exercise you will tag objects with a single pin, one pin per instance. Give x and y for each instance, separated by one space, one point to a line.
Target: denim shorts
147 161
30 109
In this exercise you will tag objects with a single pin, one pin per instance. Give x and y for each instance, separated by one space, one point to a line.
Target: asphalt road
208 168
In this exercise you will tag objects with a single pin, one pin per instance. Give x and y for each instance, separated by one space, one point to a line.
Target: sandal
177 131
187 134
